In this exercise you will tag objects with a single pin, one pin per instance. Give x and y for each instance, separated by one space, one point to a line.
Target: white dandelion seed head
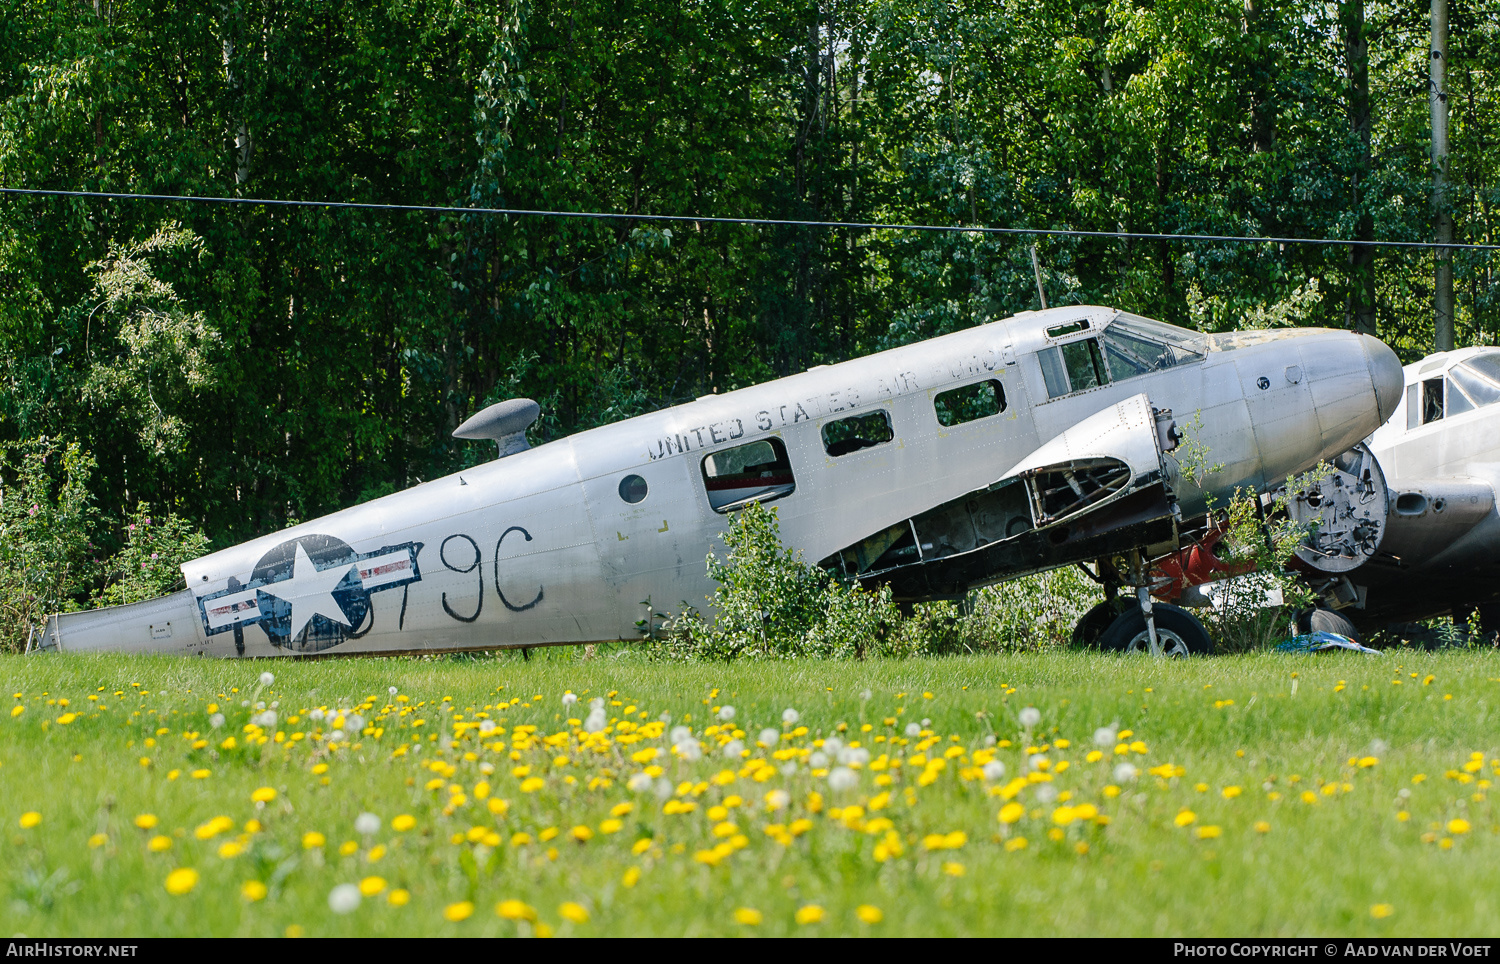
1404 793
597 703
864 694
355 722
833 745
842 778
260 705
595 722
1106 735
689 750
818 760
216 721
1378 747
778 800
391 690
1045 793
486 727
734 748
266 719
638 783
1125 772
726 713
487 768
244 703
681 733
1029 717
854 756
317 714
913 729
926 722
1037 762
266 679
335 736
343 899
569 698
994 770
769 737
663 788
790 716
367 823
275 704
789 768
990 740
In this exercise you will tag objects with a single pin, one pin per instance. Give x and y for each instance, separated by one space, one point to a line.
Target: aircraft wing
1098 488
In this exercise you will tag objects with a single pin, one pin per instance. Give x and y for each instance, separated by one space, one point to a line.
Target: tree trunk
1442 316
1361 256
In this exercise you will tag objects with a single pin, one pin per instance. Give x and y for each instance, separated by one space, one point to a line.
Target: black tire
1179 632
1094 623
1328 621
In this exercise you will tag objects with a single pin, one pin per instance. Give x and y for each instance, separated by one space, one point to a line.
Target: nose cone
1385 375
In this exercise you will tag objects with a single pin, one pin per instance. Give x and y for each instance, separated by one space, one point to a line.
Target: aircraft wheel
1179 632
1329 621
1094 623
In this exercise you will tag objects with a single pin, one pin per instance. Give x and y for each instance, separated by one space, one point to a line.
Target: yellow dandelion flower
1185 818
404 822
98 840
954 869
1210 832
1381 911
231 848
581 833
748 916
181 880
201 774
462 910
312 840
1458 825
1262 826
1014 844
631 877
30 819
399 897
869 913
574 912
1229 793
1012 812
264 795
159 843
515 910
809 914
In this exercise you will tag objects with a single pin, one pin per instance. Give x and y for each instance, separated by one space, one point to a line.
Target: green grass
1319 869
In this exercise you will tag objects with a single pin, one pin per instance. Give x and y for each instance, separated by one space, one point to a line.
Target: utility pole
1442 321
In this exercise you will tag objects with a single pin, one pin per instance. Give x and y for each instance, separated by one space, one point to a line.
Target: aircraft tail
168 624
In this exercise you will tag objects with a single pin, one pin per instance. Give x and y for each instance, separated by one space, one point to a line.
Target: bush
46 517
148 566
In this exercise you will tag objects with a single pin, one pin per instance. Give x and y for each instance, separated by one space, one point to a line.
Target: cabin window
960 405
1432 400
857 432
757 472
633 489
1413 407
1073 367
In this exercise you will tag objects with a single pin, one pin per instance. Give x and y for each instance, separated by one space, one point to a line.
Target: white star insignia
310 592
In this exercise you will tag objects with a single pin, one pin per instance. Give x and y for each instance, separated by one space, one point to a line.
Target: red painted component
1192 566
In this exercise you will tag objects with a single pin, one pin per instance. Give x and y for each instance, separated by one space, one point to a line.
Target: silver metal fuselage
541 547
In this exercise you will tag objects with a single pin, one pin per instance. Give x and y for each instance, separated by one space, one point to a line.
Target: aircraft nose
1385 375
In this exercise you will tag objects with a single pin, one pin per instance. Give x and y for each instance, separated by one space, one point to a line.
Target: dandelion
515 910
574 912
371 886
400 897
809 914
726 713
994 770
1381 911
1231 792
869 913
768 737
30 819
790 716
264 795
1457 826
1106 736
344 899
734 749
1262 826
253 890
1124 772
748 916
312 840
159 844
1210 832
1185 818
842 778
391 690
462 910
1012 812
98 840
954 869
1029 717
366 823
266 679
181 880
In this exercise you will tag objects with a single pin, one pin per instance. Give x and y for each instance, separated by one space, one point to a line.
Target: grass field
1271 795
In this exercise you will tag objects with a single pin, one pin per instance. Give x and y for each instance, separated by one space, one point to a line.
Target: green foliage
772 605
46 516
147 566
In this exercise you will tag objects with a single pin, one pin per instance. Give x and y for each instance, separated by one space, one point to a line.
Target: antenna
1036 269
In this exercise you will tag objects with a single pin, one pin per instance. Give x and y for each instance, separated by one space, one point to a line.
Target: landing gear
1097 621
1178 632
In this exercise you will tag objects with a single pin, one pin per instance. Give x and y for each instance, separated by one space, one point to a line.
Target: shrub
148 565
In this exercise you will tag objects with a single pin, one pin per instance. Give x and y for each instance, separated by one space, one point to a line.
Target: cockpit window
1136 346
1475 390
1073 367
1487 364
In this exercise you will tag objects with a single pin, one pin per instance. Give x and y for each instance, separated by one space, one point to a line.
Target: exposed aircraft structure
1407 527
1014 447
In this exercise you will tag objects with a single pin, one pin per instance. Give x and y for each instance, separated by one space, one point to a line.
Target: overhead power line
765 222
